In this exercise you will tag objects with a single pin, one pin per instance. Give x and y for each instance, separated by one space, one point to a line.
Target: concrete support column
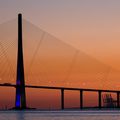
118 100
99 99
62 99
81 99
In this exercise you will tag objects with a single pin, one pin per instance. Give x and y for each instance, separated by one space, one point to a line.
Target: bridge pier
118 100
62 99
81 99
99 99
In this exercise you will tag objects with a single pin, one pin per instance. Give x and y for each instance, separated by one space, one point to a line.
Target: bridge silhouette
62 89
20 102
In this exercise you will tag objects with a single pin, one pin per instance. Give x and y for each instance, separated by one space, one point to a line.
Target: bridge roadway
58 88
74 89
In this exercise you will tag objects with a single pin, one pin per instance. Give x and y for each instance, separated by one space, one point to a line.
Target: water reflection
20 115
60 115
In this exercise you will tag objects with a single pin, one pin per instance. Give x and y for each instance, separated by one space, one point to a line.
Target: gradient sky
92 26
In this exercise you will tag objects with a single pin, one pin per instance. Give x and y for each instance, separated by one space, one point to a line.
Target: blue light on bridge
18 98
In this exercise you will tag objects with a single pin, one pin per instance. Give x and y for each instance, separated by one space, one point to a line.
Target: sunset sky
90 25
86 32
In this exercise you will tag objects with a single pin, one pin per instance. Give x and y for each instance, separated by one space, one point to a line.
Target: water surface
60 115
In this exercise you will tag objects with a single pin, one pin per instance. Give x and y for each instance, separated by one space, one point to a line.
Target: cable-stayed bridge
51 61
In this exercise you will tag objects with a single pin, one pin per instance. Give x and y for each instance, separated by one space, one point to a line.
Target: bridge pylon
20 102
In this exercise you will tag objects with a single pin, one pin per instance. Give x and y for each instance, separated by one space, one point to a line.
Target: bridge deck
57 88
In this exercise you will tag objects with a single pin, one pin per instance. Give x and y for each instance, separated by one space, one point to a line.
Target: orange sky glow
68 43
